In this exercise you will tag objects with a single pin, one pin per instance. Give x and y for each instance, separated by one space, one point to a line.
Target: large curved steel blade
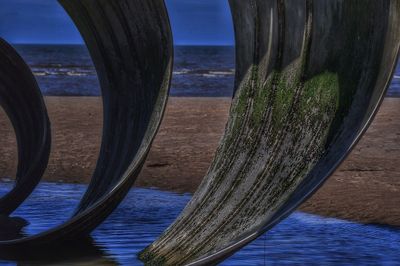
310 77
22 101
131 45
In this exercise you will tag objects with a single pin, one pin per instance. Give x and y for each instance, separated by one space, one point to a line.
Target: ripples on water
68 70
198 70
301 239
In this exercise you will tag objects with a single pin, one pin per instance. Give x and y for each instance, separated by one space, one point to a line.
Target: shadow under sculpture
131 46
310 77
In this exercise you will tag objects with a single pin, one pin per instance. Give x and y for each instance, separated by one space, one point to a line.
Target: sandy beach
366 188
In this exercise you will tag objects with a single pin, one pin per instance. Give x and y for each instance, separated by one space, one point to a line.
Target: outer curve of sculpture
131 46
310 76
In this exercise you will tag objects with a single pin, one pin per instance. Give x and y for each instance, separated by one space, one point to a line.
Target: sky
194 22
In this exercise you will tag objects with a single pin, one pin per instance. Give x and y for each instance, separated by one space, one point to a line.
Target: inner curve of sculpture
21 99
310 76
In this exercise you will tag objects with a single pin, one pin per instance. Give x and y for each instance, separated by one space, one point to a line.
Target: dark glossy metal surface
310 77
131 46
22 101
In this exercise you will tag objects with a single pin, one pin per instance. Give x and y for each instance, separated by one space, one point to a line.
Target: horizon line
83 44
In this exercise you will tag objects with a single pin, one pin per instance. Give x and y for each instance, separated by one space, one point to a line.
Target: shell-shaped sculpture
131 46
310 76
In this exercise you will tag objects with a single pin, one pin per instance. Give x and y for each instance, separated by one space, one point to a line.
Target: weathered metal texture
310 77
22 101
131 45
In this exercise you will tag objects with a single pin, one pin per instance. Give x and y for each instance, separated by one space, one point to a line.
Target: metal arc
310 77
131 46
22 101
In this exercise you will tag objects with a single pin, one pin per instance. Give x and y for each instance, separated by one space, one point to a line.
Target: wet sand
366 188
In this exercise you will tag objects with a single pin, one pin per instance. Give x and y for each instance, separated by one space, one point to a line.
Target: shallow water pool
302 239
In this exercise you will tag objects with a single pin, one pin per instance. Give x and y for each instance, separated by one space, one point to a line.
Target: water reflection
11 227
302 239
79 252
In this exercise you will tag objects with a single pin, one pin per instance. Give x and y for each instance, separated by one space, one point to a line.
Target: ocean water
302 239
198 70
67 70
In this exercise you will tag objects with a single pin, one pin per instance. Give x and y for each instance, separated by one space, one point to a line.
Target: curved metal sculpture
22 101
310 76
131 46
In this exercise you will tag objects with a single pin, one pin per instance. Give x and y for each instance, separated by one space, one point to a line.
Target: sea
67 70
204 71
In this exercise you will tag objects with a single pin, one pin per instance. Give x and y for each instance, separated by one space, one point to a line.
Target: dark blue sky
195 22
